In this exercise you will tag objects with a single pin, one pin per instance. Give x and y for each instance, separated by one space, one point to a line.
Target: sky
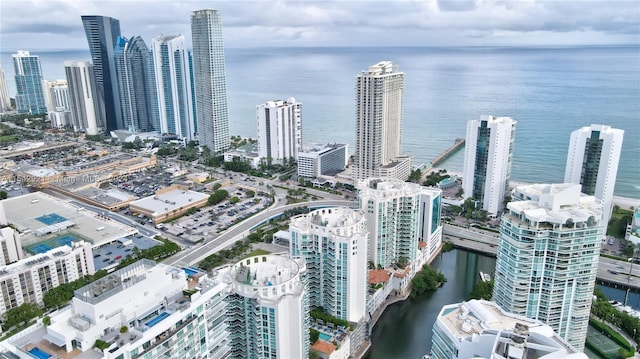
55 24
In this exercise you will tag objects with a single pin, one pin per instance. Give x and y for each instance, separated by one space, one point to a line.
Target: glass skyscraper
174 81
210 80
136 83
29 85
102 33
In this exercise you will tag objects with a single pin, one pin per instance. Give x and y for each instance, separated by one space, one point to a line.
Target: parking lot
210 220
145 183
110 254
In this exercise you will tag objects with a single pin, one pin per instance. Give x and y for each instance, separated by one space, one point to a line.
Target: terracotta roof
378 276
422 244
323 347
404 273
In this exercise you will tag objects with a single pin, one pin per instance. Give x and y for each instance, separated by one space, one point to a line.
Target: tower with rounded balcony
268 312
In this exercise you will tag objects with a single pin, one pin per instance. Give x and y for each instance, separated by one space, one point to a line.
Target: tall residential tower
547 258
29 84
279 130
488 154
174 81
592 161
5 100
210 80
83 97
379 123
333 241
102 33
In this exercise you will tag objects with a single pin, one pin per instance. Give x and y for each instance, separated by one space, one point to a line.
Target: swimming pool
39 353
157 319
189 271
324 336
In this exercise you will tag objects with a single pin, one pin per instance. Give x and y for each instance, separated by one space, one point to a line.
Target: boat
485 277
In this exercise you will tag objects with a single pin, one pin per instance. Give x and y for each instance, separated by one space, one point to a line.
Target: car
105 260
97 255
117 257
128 250
109 253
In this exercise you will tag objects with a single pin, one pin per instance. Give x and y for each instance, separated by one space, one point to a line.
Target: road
241 230
610 270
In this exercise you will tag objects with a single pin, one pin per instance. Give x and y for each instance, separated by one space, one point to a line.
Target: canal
404 330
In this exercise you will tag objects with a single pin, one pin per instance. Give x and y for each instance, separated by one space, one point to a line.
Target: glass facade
29 84
591 164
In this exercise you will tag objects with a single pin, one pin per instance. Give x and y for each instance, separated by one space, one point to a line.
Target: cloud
24 24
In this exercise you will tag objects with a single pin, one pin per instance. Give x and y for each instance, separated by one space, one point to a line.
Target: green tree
482 290
425 281
3 195
250 193
313 335
234 200
20 314
217 197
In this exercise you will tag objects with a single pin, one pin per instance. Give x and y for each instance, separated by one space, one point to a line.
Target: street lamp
626 296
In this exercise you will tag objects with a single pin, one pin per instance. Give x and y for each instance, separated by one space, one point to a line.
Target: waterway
404 330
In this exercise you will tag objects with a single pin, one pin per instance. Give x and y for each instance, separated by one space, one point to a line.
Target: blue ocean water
549 91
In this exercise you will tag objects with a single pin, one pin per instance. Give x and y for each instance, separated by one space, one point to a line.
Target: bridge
611 272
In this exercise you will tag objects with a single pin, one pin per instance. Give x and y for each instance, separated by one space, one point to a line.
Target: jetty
427 166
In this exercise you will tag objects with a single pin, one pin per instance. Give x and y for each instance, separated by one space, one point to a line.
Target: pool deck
56 352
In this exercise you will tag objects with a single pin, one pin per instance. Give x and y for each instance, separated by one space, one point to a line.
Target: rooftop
467 320
323 347
168 201
377 276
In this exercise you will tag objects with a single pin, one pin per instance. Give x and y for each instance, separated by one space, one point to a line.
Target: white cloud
57 24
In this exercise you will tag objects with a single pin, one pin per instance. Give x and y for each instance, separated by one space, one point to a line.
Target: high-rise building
481 329
592 161
57 97
136 84
400 215
333 241
279 130
379 93
102 33
85 107
173 78
29 84
5 99
488 154
210 80
547 258
268 311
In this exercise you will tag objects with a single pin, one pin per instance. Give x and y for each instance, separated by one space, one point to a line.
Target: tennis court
49 219
601 341
49 244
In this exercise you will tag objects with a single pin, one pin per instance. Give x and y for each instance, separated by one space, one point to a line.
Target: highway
241 230
624 273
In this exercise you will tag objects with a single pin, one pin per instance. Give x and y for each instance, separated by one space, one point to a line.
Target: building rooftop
267 277
530 338
321 149
323 347
39 217
555 204
377 276
168 201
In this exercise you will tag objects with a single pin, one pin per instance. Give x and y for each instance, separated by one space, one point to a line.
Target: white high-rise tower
379 123
5 101
592 161
83 97
210 80
488 154
279 130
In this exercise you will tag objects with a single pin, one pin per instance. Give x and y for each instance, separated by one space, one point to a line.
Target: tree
250 193
20 314
3 195
482 290
46 321
415 176
217 197
234 200
425 281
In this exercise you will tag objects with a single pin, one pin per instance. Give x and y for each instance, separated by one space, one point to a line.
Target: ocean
549 91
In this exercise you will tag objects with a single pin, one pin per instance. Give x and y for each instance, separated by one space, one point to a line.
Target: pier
611 272
427 166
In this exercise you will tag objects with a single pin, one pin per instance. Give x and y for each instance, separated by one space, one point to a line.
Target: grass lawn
257 252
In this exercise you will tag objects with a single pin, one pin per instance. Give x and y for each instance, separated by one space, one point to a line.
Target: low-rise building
169 202
633 228
328 160
481 329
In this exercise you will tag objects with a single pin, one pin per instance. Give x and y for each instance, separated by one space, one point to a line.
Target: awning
61 342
